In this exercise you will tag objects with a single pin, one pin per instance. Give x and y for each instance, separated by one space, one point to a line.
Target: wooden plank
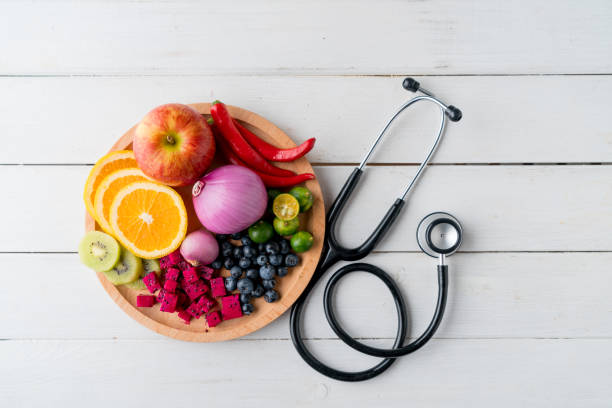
560 372
502 208
506 119
434 37
491 296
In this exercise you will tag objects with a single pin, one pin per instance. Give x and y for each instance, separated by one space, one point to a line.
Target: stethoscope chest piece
439 233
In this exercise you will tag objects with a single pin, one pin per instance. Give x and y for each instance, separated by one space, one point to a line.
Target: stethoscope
439 235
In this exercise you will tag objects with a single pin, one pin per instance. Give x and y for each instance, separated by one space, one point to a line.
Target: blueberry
282 271
285 247
236 272
267 271
276 259
244 262
245 298
218 264
245 285
228 263
246 240
237 252
258 291
252 273
291 260
271 296
237 235
272 247
230 283
268 283
248 251
262 260
247 308
226 248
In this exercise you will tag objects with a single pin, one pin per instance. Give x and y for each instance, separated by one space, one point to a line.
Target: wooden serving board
289 287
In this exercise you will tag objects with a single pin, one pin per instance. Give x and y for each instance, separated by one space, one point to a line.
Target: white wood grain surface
527 171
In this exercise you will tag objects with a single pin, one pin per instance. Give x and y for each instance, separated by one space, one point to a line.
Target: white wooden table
527 171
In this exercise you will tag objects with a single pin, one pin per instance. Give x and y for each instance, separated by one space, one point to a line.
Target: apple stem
170 139
197 188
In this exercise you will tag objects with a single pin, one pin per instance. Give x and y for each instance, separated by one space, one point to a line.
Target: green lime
261 232
304 197
288 227
301 241
272 193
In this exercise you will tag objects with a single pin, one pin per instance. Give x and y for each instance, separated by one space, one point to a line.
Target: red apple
174 145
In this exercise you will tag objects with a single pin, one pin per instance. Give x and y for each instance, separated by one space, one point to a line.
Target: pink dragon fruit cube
217 287
185 316
196 289
168 303
213 318
207 272
195 310
172 274
190 275
230 307
206 304
145 300
151 282
170 285
160 295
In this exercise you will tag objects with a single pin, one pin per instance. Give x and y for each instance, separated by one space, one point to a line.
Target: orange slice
108 189
121 159
149 219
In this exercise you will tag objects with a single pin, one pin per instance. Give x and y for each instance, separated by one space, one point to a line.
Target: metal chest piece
438 234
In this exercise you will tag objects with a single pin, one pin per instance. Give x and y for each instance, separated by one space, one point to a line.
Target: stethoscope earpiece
439 233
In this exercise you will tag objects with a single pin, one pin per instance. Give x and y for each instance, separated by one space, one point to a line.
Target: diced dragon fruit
172 274
217 287
195 310
206 272
191 275
168 303
170 285
151 282
230 307
196 289
145 300
185 316
206 303
213 318
160 296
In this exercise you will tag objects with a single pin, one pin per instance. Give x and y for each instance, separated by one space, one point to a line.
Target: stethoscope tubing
333 252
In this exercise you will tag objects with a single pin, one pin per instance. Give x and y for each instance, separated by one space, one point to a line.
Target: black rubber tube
391 354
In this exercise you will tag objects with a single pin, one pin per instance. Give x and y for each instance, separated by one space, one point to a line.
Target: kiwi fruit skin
148 265
127 270
99 251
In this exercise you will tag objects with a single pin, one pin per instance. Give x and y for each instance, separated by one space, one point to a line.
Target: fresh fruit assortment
146 246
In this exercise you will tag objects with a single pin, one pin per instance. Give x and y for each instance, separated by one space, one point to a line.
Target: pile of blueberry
254 267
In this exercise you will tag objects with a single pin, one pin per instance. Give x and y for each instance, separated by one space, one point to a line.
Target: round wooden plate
290 287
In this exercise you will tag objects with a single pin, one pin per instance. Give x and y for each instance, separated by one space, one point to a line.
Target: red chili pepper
269 181
241 147
272 152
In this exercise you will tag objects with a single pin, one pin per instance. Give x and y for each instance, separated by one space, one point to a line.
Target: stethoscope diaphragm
439 233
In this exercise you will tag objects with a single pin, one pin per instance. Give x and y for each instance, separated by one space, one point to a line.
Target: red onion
200 248
229 199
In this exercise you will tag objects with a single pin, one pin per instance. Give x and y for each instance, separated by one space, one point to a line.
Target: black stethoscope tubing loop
400 305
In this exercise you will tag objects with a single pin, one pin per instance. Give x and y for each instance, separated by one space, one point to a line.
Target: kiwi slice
127 270
99 251
148 265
